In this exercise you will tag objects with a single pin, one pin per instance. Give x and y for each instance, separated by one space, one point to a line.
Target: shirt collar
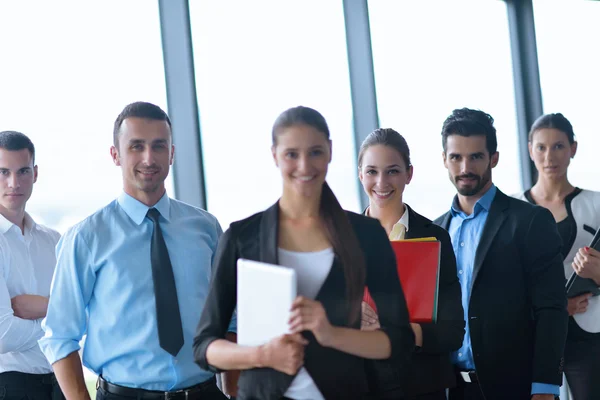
5 224
485 202
403 219
136 210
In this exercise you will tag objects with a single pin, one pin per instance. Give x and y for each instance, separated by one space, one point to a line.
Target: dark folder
577 285
418 265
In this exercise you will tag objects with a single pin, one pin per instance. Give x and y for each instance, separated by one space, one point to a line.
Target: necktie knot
153 214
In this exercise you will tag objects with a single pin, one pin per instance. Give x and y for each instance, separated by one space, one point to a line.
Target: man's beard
480 182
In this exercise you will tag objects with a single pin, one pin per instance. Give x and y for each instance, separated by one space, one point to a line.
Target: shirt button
462 244
460 271
460 354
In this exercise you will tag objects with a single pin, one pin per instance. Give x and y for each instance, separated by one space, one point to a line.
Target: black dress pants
582 368
21 386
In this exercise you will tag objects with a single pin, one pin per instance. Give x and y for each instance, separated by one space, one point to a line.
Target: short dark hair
553 121
15 141
386 137
139 109
468 122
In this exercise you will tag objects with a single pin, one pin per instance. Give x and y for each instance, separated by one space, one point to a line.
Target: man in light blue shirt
510 269
133 278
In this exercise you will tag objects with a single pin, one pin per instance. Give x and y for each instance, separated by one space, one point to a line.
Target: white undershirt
26 266
311 269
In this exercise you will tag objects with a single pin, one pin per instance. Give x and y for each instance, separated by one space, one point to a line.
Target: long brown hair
339 231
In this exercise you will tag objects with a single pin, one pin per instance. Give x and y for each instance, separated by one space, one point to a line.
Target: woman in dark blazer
334 253
384 171
552 145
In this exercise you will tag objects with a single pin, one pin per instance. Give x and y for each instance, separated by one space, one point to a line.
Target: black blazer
338 375
518 307
430 369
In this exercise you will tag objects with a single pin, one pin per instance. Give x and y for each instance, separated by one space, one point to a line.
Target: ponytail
345 244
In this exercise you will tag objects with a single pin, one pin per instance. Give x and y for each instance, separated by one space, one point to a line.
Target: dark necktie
170 332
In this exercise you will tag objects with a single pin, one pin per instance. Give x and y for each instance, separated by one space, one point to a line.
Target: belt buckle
176 394
466 377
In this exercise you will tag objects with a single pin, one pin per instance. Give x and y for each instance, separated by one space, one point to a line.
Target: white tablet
265 293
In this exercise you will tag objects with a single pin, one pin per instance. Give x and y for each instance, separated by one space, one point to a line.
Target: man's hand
29 306
542 397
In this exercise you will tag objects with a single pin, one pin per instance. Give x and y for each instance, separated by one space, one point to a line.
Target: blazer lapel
416 225
445 220
268 234
496 217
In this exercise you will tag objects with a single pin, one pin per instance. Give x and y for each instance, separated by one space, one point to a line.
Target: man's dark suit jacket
338 375
429 369
518 307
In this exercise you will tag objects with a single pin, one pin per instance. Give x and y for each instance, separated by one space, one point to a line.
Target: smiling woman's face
384 175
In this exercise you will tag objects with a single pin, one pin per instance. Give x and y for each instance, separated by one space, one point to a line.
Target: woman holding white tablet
335 254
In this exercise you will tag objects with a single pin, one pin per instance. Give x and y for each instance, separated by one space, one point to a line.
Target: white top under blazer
584 208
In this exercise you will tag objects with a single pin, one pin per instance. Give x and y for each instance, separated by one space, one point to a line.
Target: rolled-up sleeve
218 314
72 285
384 285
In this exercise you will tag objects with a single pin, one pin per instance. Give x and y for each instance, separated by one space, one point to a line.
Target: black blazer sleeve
220 302
384 286
546 282
447 333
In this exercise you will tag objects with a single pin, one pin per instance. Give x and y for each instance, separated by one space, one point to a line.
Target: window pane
433 57
251 65
67 71
568 39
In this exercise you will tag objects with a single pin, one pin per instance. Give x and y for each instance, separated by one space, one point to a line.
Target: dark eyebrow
389 166
136 141
160 141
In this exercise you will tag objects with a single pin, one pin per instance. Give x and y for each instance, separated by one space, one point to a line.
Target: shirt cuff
544 388
56 350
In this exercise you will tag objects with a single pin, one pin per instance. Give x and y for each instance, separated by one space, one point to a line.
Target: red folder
418 264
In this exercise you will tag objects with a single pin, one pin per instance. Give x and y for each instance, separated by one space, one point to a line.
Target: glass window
568 39
67 70
430 60
251 65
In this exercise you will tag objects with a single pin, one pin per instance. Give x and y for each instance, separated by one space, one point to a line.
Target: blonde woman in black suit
552 145
384 171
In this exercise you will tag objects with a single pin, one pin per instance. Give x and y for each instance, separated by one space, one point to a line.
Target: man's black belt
154 394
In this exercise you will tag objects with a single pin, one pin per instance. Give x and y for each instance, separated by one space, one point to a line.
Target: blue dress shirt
465 232
103 289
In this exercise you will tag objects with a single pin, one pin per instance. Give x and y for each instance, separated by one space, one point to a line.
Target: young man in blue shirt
133 278
510 269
